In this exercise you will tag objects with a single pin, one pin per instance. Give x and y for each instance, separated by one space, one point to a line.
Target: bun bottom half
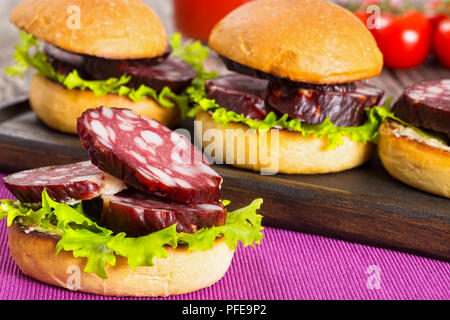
59 107
414 160
278 151
181 272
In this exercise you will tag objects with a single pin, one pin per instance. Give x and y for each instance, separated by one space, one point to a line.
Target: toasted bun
59 107
419 162
293 154
114 29
181 272
304 40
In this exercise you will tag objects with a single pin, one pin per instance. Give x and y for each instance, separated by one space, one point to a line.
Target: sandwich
414 140
143 217
295 90
114 53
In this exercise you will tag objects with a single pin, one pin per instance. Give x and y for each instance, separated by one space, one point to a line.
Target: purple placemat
287 265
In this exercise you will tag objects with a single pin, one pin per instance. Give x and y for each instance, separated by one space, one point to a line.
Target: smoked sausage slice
426 104
66 183
147 155
239 93
344 108
138 215
156 73
344 104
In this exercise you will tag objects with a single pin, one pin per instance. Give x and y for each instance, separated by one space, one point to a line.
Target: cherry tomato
404 40
434 18
380 26
441 42
362 15
433 13
366 3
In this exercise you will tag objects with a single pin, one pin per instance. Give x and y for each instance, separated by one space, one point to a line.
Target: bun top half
311 41
112 29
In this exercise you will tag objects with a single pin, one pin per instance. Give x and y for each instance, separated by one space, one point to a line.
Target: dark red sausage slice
344 103
57 56
345 109
427 105
66 183
156 73
147 155
239 93
138 215
172 72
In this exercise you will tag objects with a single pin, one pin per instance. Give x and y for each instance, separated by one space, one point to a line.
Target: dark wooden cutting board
364 205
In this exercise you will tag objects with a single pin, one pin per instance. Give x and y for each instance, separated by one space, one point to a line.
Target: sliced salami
147 155
66 183
172 72
156 73
137 214
344 104
239 93
344 108
427 105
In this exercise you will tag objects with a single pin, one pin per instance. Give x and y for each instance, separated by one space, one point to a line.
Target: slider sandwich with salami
297 66
414 143
112 52
143 217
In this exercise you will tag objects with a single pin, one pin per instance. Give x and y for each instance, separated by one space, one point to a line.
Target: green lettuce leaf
242 225
141 251
90 245
86 239
25 60
11 209
69 216
193 53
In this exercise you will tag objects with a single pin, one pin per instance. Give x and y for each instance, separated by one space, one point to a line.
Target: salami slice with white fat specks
147 155
426 104
137 214
66 183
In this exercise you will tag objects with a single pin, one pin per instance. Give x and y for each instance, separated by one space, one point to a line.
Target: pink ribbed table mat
287 265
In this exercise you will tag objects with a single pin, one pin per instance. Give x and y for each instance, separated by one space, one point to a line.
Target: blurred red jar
196 18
